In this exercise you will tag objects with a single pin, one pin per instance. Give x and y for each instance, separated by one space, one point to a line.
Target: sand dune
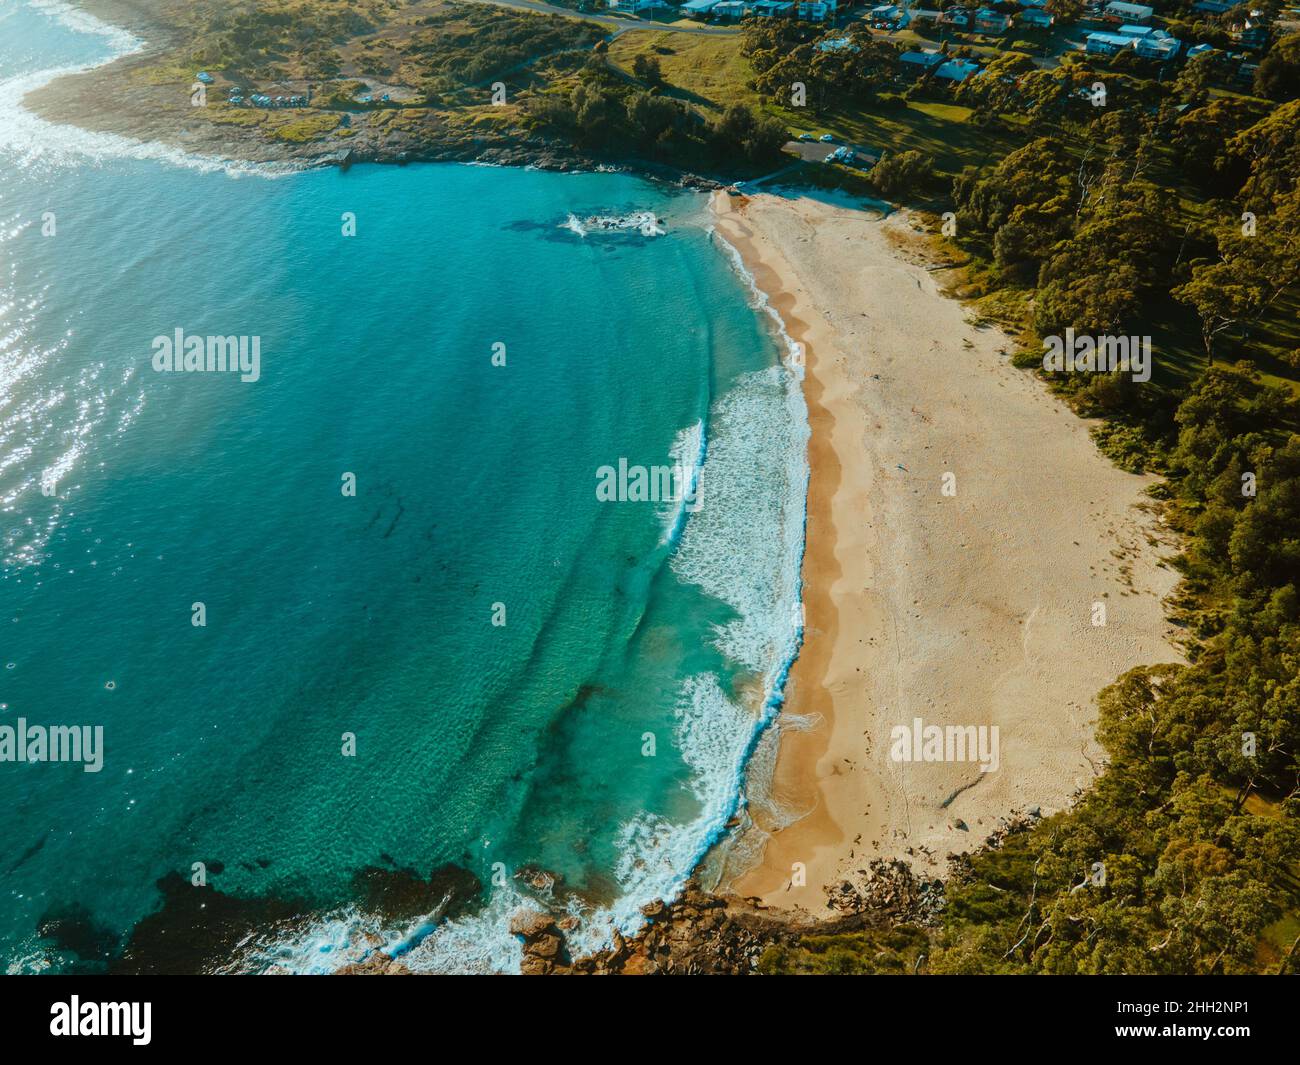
970 607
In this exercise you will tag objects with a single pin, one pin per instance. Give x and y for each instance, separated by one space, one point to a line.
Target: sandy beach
973 560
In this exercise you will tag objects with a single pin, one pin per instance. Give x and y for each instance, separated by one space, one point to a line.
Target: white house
1158 45
1120 12
1106 43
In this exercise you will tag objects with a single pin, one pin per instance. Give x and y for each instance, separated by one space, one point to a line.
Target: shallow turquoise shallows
534 679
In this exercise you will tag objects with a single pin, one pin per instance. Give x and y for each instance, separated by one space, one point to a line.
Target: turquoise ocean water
494 747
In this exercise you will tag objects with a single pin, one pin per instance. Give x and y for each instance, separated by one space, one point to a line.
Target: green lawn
938 129
710 73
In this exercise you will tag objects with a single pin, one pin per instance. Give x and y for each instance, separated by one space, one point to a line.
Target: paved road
817 151
622 24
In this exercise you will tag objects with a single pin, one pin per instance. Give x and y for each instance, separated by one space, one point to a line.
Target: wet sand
963 529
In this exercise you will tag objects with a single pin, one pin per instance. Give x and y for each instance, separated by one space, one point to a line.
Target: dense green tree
1271 149
1278 76
651 116
1257 263
903 172
646 67
1200 143
1067 11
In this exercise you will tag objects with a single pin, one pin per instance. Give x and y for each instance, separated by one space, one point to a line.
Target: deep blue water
494 747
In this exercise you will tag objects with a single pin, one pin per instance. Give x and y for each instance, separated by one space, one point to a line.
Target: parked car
827 138
805 136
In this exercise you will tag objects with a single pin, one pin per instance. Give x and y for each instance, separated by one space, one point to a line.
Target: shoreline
917 611
807 696
799 745
106 99
850 809
41 132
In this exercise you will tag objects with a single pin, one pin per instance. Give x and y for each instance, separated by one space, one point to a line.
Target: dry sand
968 609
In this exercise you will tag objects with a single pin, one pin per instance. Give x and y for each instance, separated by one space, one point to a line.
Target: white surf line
35 139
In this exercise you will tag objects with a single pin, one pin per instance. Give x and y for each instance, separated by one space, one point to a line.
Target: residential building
989 21
1106 43
888 17
1036 18
1254 36
816 10
1120 12
957 70
919 63
1159 45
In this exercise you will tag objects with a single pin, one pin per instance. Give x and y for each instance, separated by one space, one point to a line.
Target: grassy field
710 73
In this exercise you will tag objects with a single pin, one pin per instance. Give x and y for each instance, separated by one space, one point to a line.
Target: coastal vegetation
1171 211
445 78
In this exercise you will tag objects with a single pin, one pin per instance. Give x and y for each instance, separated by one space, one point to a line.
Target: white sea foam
123 42
478 943
643 222
687 453
35 141
318 947
759 301
745 545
